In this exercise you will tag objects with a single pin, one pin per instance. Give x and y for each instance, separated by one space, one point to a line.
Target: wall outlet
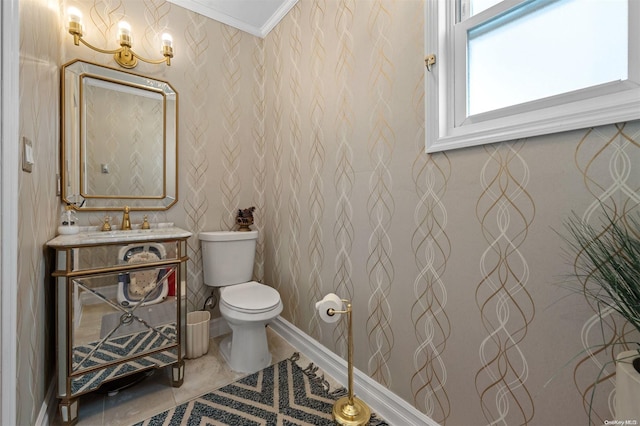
27 155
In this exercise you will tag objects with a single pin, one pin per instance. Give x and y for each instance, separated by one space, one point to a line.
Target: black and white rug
281 394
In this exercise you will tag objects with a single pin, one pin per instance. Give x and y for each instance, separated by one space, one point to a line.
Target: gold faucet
126 223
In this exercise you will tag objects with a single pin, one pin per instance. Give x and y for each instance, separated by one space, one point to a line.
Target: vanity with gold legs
120 309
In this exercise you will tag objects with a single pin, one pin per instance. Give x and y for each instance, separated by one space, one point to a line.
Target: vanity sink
118 233
97 237
120 307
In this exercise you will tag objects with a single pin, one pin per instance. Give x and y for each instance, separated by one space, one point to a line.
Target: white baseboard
218 327
108 292
48 408
393 409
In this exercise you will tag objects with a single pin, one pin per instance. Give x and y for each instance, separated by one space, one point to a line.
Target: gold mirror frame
76 77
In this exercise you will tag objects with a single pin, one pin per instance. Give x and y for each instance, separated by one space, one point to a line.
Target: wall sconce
124 56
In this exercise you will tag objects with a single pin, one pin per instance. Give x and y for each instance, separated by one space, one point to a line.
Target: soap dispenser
68 222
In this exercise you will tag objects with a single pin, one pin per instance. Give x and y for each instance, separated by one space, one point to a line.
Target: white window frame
445 84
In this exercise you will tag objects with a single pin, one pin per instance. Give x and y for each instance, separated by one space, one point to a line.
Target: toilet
247 306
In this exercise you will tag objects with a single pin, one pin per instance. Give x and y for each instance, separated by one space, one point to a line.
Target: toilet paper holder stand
349 410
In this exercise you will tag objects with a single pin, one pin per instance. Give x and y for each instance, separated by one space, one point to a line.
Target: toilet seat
251 297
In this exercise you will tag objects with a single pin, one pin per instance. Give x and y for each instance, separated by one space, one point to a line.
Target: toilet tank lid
227 235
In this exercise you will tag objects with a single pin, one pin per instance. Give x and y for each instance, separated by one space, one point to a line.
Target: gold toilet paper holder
349 410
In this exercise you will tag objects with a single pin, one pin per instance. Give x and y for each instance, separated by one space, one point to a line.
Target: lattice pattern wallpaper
452 260
38 206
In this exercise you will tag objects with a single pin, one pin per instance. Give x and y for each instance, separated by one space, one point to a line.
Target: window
517 68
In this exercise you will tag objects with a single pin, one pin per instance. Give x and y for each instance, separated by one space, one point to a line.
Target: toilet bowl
247 306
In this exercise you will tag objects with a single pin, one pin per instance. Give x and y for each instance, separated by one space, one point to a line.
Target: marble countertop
88 235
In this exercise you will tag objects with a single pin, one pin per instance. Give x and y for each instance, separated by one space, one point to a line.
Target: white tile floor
155 394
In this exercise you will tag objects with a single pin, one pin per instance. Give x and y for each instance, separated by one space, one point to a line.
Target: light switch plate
27 155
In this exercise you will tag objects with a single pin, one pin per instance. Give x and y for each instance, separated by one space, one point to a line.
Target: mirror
119 139
123 320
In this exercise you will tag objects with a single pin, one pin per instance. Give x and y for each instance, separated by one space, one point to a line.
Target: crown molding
240 14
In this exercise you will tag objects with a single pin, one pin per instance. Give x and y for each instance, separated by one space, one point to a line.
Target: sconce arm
86 43
166 59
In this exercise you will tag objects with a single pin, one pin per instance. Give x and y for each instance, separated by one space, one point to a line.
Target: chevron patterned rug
281 394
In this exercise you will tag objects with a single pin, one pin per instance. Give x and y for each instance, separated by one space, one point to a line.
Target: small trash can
197 333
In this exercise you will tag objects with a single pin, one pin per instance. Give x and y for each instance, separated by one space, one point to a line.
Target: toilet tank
227 257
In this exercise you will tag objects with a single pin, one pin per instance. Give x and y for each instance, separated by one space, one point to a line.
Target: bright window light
477 6
528 55
512 69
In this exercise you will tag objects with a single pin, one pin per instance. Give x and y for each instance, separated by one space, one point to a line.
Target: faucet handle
145 223
106 226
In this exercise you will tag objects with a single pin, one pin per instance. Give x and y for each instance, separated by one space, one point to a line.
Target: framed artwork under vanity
120 309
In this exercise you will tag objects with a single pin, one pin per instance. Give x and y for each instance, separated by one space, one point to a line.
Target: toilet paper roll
330 301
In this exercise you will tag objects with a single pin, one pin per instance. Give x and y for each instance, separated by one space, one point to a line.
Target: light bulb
124 33
167 40
75 22
124 28
74 15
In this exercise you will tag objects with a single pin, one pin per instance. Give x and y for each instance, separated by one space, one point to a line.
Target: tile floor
155 394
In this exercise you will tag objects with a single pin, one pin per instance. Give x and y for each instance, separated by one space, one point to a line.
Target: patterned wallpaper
38 206
452 259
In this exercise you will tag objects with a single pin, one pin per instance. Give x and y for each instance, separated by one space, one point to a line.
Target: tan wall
451 259
38 205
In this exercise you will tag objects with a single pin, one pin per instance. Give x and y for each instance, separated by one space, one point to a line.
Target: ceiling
256 17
